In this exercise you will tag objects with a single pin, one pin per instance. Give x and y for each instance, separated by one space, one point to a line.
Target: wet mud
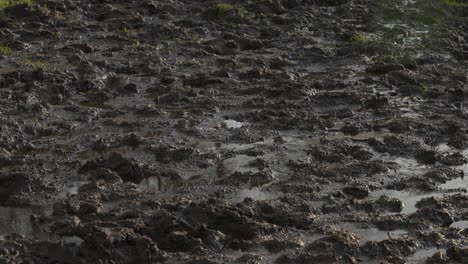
271 131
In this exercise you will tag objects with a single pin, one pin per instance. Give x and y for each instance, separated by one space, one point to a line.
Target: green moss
5 50
389 58
131 35
128 32
279 140
7 3
181 124
360 39
455 3
136 42
34 64
242 11
427 19
176 113
197 38
6 70
223 8
400 29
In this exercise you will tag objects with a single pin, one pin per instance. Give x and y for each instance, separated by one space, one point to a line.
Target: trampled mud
271 131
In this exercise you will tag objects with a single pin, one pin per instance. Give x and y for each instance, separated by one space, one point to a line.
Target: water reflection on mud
18 220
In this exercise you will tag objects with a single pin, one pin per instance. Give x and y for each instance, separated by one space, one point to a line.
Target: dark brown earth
261 131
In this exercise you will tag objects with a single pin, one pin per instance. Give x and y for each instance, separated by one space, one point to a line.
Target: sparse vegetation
131 35
5 50
279 140
390 58
197 38
224 131
399 32
455 3
360 39
242 11
34 64
7 3
128 32
223 8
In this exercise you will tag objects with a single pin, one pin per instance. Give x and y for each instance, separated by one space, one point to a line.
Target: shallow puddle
223 168
18 220
176 113
267 256
458 183
420 256
302 141
183 124
372 233
159 183
409 199
460 224
239 163
295 141
230 123
370 134
72 188
256 194
409 167
220 169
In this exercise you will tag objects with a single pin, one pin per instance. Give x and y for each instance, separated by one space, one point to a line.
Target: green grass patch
6 70
5 50
223 8
361 39
456 3
399 30
131 35
7 3
279 140
242 11
34 64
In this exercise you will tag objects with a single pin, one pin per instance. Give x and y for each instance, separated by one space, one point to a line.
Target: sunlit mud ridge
267 131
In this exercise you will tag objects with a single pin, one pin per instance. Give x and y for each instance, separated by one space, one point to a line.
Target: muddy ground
261 131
